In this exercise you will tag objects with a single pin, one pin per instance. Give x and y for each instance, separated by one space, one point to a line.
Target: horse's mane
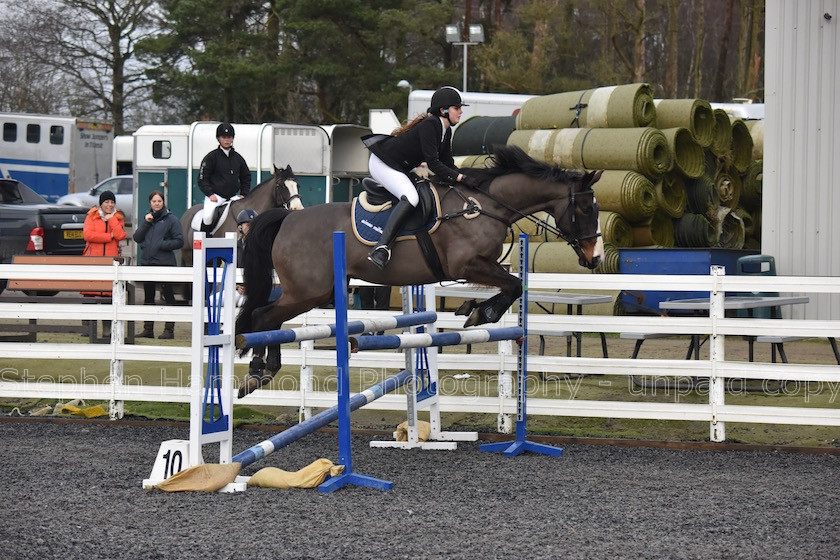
513 159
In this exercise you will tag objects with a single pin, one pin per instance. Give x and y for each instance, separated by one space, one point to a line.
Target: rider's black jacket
425 141
224 175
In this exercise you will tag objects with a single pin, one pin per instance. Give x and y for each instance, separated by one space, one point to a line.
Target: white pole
464 89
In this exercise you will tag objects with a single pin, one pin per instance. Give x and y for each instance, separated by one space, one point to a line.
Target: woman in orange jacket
104 228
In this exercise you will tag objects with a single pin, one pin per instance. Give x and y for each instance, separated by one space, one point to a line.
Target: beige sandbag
201 478
309 476
424 429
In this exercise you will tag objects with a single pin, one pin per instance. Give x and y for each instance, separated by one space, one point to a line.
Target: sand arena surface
73 489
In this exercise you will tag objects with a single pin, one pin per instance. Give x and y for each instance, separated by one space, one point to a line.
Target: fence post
717 429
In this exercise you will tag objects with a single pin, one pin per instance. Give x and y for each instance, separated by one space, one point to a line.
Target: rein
473 208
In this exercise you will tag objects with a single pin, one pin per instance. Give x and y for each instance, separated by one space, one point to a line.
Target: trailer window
161 149
57 135
9 132
33 133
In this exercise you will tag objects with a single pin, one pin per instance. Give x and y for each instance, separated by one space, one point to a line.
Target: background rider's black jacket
224 175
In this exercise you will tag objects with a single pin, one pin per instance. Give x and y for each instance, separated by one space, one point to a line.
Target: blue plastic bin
671 261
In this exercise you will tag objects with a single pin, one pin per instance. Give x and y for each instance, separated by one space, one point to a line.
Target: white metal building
801 190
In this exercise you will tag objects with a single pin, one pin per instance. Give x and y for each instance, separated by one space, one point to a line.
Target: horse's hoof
466 307
252 383
473 319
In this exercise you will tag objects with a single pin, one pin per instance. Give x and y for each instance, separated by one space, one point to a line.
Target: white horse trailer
55 155
329 161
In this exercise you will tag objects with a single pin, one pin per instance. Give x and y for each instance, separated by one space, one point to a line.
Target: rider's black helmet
245 217
446 97
224 129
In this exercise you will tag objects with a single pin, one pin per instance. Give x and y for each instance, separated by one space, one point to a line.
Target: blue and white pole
284 438
315 332
426 340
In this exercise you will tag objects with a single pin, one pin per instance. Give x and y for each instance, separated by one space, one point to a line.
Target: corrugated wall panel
801 203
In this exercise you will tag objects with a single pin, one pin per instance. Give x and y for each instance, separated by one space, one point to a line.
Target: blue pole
520 444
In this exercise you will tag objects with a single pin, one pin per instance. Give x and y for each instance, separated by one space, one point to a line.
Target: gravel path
73 491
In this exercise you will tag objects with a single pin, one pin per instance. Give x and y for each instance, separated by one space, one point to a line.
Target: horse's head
579 221
286 188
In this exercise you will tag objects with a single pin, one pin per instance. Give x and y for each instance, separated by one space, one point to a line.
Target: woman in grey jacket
159 235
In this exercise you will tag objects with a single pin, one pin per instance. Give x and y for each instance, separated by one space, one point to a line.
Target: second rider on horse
223 175
428 138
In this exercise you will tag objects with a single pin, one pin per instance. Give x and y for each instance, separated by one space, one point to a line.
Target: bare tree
672 49
717 90
90 43
698 49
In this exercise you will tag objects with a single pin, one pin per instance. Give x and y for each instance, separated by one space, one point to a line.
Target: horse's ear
276 169
289 168
592 177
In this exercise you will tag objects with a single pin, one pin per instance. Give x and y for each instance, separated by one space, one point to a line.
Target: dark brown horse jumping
278 191
298 245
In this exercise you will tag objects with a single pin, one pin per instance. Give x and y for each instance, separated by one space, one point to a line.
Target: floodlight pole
466 46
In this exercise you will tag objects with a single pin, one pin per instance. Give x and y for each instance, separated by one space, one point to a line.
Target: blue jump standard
521 444
342 351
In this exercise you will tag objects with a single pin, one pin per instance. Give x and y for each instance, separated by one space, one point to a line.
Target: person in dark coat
224 174
159 235
428 138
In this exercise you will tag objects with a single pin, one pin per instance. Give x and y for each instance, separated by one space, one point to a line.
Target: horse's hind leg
272 316
261 371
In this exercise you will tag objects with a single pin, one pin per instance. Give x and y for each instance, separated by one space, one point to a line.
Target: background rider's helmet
224 129
446 97
245 217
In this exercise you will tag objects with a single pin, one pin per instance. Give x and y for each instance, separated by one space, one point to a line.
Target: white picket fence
717 369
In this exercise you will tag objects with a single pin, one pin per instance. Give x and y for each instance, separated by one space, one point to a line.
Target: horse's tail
258 268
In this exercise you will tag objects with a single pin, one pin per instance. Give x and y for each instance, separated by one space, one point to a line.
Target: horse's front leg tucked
260 372
490 311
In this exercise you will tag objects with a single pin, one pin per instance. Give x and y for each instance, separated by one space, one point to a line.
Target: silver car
121 185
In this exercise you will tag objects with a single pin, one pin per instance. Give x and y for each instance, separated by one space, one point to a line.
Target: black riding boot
381 254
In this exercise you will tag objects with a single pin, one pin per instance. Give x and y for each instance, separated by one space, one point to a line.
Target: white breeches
397 182
210 207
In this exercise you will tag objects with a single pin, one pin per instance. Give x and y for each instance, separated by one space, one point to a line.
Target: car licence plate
74 234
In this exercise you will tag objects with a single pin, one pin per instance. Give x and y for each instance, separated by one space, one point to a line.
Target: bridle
280 183
574 239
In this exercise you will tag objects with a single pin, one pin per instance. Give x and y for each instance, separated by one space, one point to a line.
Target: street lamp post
454 36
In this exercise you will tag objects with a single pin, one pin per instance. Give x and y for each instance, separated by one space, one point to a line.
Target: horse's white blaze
295 204
599 244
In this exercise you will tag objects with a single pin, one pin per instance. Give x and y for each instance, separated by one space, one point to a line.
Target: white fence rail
717 369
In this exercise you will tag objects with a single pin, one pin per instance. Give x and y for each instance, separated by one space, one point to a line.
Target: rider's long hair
257 265
411 124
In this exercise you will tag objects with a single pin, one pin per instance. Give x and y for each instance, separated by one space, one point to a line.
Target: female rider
427 138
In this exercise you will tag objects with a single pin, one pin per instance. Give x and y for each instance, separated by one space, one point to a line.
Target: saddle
371 209
220 214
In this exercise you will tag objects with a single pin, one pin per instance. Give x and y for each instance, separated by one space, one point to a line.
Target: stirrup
380 256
